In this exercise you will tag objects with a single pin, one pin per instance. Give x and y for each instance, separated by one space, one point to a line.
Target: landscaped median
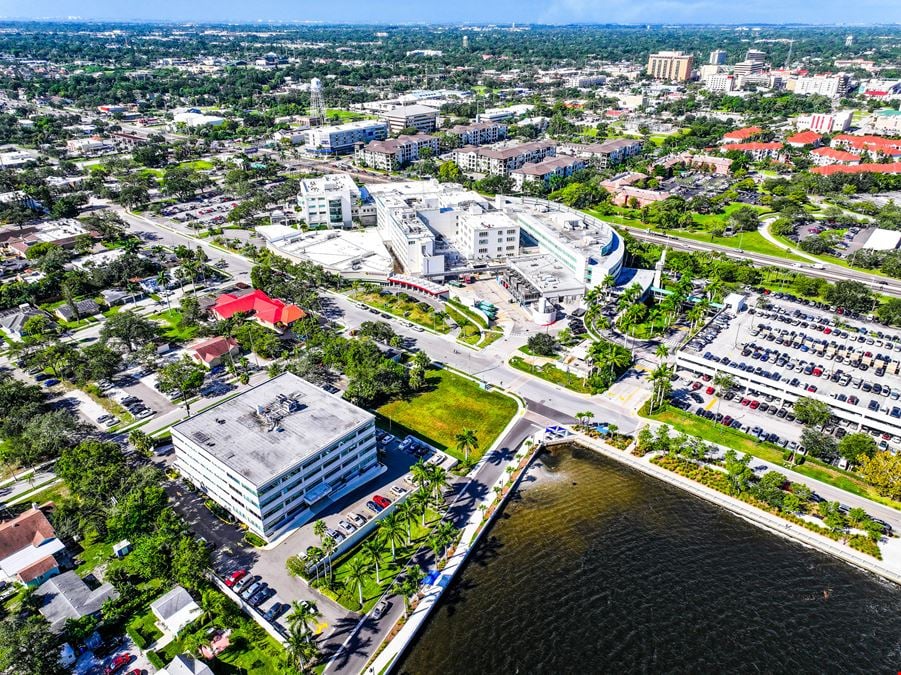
405 307
551 373
745 443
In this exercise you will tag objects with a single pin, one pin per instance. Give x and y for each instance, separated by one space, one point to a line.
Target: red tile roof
214 348
889 146
29 529
269 310
750 147
860 168
742 134
836 155
804 138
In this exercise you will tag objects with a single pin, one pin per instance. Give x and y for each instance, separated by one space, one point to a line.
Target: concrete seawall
753 515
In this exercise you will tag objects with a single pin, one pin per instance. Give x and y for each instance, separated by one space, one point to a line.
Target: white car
356 519
398 490
347 527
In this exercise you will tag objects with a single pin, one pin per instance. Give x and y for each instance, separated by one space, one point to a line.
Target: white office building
419 117
824 85
331 200
341 138
486 235
274 455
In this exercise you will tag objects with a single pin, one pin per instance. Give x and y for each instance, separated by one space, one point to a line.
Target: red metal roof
860 168
269 310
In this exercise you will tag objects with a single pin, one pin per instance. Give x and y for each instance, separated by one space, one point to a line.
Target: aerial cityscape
366 344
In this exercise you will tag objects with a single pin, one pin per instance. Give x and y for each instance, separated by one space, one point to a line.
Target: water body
597 568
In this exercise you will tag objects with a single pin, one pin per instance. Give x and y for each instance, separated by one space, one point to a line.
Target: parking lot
260 576
779 354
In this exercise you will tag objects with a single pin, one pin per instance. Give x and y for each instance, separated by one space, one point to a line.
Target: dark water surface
596 568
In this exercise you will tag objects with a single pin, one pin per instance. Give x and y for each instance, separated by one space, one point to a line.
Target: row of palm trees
300 641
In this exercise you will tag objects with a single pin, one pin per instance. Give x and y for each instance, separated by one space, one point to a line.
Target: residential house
212 352
175 611
12 321
803 138
30 552
67 596
185 665
741 135
82 309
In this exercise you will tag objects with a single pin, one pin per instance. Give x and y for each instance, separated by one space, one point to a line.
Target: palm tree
358 570
419 503
661 377
419 473
391 530
466 441
303 616
328 547
446 533
410 585
162 280
661 352
373 548
302 649
437 483
405 515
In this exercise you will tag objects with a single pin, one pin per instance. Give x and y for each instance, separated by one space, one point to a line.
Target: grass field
552 374
171 320
449 404
198 164
812 468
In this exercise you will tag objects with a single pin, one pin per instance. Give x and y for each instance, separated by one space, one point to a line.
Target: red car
709 390
755 404
381 501
118 663
727 420
706 378
695 386
745 401
235 577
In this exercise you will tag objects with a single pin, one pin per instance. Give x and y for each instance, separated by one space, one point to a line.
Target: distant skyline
475 11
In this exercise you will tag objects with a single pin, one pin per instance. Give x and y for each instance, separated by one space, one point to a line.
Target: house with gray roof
67 596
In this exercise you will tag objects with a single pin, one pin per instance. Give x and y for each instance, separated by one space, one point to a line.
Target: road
362 639
829 272
546 404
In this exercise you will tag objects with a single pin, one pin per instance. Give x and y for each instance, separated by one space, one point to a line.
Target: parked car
356 519
381 501
346 526
398 490
375 508
117 663
235 577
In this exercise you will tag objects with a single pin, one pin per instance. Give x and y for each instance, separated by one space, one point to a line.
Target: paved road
830 272
361 640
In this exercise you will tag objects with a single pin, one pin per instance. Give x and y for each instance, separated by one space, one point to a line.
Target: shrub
254 539
136 637
155 659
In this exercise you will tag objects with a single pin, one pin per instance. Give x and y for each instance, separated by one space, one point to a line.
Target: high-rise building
718 57
849 41
748 67
674 66
756 56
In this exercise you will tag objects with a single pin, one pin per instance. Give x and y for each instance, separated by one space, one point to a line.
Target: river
594 567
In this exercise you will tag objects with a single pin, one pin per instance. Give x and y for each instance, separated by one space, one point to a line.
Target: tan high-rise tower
674 66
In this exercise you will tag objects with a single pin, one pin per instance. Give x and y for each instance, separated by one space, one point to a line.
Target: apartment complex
545 170
332 200
502 161
606 154
272 455
479 133
342 138
394 153
673 66
419 117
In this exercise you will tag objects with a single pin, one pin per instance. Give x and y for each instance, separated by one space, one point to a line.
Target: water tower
317 104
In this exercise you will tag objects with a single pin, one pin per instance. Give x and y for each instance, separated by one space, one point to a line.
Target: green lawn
198 165
812 468
552 374
349 596
171 320
94 551
449 404
409 309
145 626
469 332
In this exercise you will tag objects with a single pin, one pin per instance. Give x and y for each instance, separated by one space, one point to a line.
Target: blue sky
523 11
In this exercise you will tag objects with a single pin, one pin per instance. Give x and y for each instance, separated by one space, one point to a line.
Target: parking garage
788 351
